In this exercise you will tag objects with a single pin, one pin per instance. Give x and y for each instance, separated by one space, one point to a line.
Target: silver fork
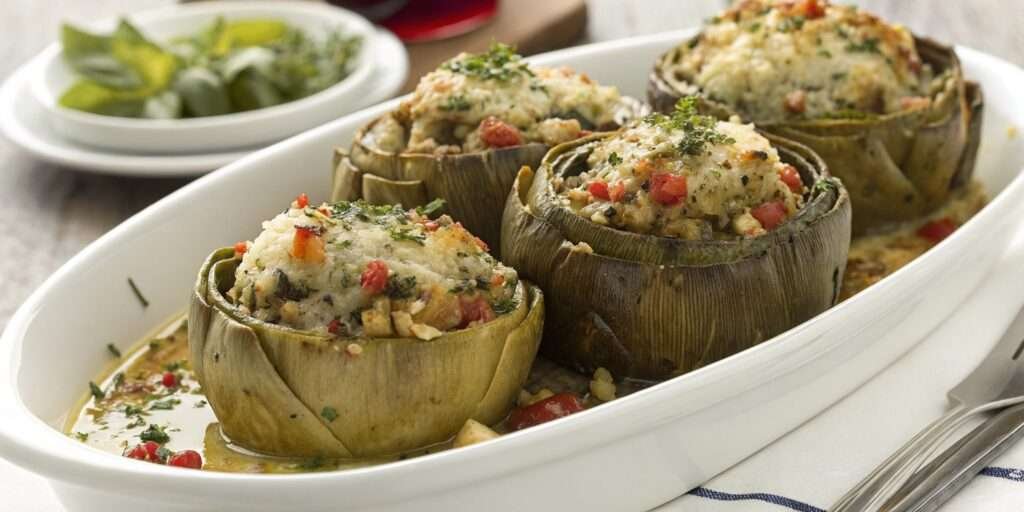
996 383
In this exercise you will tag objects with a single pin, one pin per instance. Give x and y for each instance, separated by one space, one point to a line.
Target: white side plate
631 454
214 133
24 123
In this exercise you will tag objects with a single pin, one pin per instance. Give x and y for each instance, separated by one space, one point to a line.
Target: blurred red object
425 20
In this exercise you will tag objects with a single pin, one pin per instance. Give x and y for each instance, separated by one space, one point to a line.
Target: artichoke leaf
254 406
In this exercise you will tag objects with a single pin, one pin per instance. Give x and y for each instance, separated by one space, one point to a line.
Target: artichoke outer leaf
651 316
897 167
254 406
396 396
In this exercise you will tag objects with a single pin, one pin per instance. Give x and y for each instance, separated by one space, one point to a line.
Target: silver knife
937 482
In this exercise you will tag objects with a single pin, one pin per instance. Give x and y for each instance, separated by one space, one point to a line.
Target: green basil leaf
165 105
202 92
251 90
93 97
254 32
259 59
90 56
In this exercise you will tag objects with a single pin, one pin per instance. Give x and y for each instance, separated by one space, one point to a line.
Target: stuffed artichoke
676 242
467 129
891 114
352 330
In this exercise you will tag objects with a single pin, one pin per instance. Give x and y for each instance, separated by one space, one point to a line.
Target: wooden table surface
48 213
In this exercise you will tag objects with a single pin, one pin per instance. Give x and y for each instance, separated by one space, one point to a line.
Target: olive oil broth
132 401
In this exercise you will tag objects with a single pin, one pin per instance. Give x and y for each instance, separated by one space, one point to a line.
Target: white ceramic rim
355 24
31 442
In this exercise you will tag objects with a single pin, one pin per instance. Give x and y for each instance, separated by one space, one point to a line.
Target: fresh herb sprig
500 62
698 129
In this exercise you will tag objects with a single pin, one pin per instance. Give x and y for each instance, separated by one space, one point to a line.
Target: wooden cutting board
534 26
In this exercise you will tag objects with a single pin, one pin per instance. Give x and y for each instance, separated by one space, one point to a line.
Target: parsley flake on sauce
329 413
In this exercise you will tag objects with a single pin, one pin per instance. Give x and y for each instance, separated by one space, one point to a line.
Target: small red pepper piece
240 248
375 278
791 177
302 201
147 451
770 215
617 192
499 134
189 459
937 230
476 310
333 326
551 408
668 189
169 380
599 189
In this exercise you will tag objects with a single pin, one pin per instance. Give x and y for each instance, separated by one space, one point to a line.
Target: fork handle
942 478
867 494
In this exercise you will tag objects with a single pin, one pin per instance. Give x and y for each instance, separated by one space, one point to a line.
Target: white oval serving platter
631 454
24 123
213 133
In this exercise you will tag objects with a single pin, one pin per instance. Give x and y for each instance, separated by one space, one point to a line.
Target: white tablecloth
808 469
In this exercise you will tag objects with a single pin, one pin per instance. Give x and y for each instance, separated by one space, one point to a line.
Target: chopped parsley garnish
138 294
755 27
200 404
131 410
430 208
506 305
174 366
164 405
614 159
113 350
869 45
155 433
314 463
825 53
400 234
698 130
500 62
96 391
839 76
792 23
329 413
82 436
344 244
456 103
139 421
401 287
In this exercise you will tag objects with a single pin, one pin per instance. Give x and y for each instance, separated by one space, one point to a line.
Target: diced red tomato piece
937 230
302 201
497 280
186 459
791 177
598 189
770 215
431 225
302 236
812 9
668 189
499 134
617 192
551 408
241 247
476 310
333 326
147 451
375 278
169 380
